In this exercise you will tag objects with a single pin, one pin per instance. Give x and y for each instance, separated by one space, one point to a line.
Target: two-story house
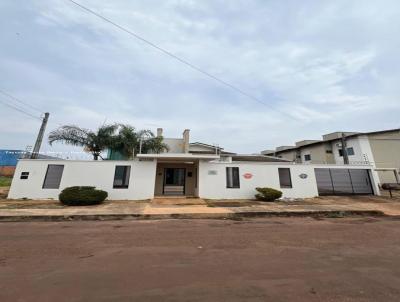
380 149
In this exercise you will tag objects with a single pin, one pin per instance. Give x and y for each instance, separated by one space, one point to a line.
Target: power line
19 101
20 110
183 61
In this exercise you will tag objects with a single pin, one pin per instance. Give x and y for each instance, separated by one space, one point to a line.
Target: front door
174 181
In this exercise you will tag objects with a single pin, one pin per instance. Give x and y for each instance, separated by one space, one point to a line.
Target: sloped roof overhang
179 156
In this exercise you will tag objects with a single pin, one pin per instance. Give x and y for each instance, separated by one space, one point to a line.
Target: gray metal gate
343 181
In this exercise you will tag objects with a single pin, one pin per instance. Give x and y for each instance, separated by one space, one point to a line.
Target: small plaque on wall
212 172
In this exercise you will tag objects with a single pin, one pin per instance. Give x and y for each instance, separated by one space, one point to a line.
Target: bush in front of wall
268 194
82 196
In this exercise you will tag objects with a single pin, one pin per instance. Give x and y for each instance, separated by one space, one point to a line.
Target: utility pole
39 139
344 150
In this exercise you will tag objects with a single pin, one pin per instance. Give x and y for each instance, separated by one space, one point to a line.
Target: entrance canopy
177 173
179 157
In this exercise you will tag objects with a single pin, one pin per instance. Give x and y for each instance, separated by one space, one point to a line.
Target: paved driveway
274 259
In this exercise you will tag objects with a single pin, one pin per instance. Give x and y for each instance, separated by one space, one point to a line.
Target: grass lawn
5 181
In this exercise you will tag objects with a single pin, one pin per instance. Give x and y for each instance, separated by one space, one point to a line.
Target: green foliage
268 194
128 139
5 181
93 142
82 196
122 138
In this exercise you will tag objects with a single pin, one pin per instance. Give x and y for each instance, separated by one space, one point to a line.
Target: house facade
192 170
381 149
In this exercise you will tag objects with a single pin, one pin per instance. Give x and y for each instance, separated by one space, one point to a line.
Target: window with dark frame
285 178
307 157
53 176
232 178
350 151
24 175
121 177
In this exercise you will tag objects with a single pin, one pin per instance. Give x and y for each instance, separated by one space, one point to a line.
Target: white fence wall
84 173
212 179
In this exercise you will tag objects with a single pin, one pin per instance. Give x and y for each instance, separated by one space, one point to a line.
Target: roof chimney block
186 139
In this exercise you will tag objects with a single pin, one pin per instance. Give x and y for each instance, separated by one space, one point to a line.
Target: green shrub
268 194
82 196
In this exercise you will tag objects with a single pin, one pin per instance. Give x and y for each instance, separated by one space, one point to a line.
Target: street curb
231 216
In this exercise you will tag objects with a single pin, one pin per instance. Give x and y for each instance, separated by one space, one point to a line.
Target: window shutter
232 177
53 176
121 177
285 179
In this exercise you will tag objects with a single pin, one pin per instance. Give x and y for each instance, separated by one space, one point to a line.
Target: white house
190 169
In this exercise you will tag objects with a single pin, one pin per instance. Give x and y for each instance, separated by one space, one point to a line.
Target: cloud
326 65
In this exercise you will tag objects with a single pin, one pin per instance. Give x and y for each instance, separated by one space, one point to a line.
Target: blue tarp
10 157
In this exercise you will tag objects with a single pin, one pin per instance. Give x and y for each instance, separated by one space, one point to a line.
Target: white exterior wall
213 186
362 153
362 150
84 173
143 173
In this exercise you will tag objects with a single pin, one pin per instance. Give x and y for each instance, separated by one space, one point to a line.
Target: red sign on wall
247 175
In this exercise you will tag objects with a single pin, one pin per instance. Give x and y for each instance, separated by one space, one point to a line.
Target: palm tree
125 141
153 144
93 142
129 141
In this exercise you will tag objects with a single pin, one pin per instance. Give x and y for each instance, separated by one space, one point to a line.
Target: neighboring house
381 149
190 169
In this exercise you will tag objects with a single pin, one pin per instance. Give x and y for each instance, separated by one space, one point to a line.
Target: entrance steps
177 200
175 197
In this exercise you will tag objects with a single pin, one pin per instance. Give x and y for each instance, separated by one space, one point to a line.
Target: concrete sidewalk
22 210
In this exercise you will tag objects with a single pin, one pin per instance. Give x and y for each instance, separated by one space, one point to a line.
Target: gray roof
258 158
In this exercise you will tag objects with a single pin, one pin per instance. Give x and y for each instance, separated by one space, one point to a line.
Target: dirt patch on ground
30 204
325 200
55 204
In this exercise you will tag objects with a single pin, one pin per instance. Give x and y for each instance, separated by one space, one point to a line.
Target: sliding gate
343 181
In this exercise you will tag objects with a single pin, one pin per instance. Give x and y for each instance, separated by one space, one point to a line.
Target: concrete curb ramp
232 216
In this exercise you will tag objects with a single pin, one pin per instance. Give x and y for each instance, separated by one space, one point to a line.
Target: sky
315 67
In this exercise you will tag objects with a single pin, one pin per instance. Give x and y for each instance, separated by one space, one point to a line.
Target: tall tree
129 141
93 142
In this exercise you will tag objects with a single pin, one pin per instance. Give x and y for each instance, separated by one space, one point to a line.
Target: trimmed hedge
82 196
268 194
